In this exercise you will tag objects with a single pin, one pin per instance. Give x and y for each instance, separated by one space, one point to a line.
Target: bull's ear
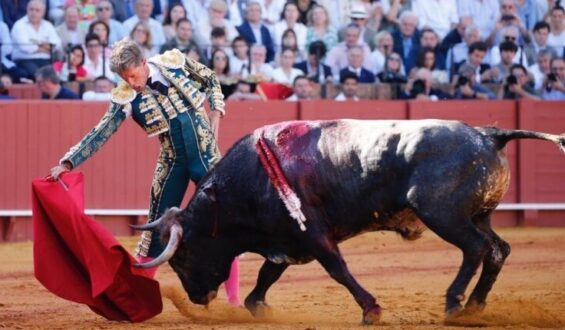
209 189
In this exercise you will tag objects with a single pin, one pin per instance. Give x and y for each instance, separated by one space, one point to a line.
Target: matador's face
136 76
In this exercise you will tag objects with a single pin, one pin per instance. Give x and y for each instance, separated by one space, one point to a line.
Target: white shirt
341 97
195 10
281 77
292 98
95 70
156 75
484 14
557 42
117 31
6 42
93 96
378 61
538 76
280 27
237 66
205 29
518 58
265 69
339 12
26 39
337 58
272 13
438 15
157 34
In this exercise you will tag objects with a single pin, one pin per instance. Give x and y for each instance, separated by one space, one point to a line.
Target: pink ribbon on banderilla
279 181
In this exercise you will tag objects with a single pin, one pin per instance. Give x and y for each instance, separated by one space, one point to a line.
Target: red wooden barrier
328 109
542 166
25 92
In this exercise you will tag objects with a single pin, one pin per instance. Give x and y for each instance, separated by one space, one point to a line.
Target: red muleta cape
78 259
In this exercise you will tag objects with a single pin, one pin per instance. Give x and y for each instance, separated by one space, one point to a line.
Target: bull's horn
148 226
172 245
154 224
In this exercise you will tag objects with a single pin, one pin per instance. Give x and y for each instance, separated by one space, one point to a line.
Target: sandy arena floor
408 278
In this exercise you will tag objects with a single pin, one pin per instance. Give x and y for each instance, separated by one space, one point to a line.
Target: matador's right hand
58 170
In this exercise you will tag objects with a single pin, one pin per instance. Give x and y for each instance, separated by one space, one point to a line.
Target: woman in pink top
72 69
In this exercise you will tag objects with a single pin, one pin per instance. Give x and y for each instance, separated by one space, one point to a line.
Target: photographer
420 88
467 89
509 17
554 84
516 86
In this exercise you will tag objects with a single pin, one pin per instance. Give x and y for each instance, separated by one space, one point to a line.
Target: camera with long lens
418 87
511 80
462 81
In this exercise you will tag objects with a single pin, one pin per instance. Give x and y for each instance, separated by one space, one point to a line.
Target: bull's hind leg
492 264
268 274
473 243
328 255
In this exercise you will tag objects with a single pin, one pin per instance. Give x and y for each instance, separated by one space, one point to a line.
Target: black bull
351 177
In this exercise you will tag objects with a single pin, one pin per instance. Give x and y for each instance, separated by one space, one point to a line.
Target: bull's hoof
259 309
453 312
372 316
474 307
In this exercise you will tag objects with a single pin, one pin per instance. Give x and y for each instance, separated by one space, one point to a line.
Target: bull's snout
204 300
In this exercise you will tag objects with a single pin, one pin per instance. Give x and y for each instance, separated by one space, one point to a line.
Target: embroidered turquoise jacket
152 111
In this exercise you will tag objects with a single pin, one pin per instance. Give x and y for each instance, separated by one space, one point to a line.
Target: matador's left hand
214 117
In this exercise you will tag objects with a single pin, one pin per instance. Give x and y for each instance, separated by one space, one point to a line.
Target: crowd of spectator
425 49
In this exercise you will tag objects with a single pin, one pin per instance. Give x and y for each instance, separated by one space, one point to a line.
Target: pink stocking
150 271
232 283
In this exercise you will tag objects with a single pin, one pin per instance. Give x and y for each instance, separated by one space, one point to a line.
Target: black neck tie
157 86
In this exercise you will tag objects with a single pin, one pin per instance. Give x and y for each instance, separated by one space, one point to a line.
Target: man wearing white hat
358 15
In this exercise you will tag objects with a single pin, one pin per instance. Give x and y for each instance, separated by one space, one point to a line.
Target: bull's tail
502 136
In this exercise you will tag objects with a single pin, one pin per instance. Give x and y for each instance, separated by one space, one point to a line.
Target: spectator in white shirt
8 66
174 13
508 18
286 73
509 33
337 56
289 21
439 15
259 70
556 38
102 90
104 12
239 62
384 47
542 68
349 88
34 40
143 9
70 32
302 89
555 83
216 19
485 13
459 52
94 63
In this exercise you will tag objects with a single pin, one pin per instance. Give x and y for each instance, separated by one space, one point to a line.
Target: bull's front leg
268 274
329 256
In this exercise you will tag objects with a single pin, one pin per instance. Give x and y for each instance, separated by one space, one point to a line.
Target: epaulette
171 59
123 94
